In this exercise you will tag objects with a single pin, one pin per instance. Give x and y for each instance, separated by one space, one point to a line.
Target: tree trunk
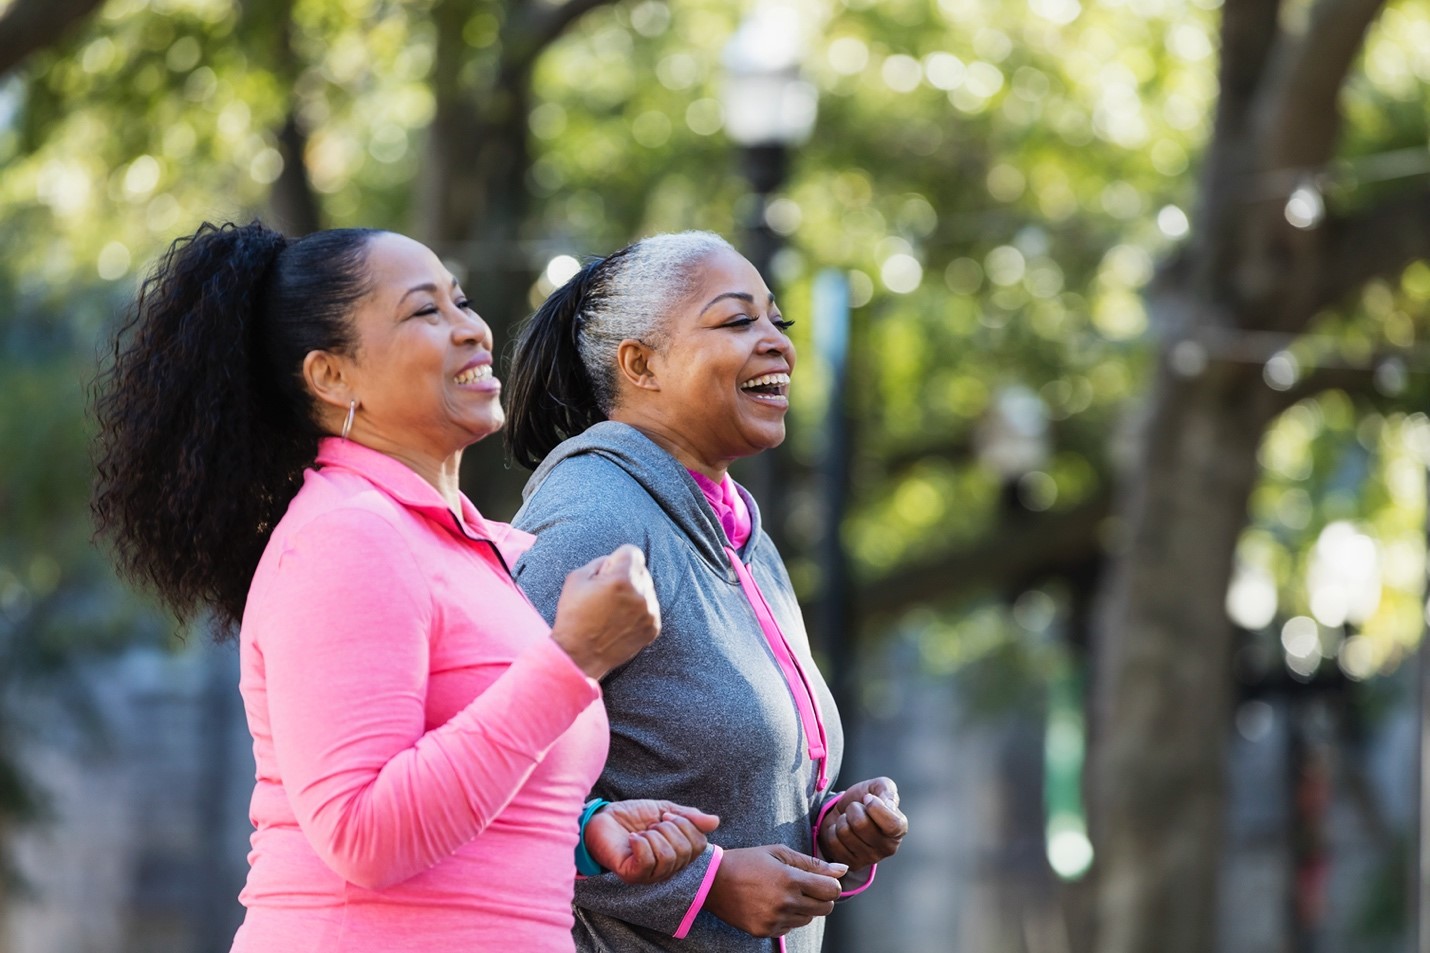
1164 665
475 201
484 234
31 26
293 204
1163 655
293 200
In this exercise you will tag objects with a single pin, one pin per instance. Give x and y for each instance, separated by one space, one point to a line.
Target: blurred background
1105 489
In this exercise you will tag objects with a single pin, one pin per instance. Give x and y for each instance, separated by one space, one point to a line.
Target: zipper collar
402 483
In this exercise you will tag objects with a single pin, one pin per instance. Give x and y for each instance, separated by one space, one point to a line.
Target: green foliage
997 180
989 181
1353 459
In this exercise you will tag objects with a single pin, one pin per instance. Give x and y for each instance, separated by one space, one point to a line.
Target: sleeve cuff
854 876
705 884
861 879
829 803
555 657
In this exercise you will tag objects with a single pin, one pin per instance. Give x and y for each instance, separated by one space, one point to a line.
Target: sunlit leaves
1336 479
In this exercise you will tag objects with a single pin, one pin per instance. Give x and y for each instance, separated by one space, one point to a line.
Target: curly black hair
204 421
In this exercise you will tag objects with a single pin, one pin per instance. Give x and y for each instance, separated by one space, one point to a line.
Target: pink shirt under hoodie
423 747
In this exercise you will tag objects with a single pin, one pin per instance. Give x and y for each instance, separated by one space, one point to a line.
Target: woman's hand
865 826
607 612
770 890
647 841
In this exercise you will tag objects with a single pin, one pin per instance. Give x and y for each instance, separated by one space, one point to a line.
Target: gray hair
633 293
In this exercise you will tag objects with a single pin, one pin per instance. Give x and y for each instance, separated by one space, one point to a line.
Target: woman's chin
766 438
478 430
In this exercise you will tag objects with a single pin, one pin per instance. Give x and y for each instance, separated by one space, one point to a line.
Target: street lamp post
769 108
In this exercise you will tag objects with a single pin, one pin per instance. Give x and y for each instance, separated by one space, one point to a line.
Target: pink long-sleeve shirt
423 747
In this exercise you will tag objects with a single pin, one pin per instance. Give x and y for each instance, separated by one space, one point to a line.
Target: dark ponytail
549 391
204 421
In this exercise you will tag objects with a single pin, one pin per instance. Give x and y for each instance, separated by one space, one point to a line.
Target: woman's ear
635 362
328 380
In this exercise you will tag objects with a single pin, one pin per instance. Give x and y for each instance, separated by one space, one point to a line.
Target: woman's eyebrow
426 286
741 295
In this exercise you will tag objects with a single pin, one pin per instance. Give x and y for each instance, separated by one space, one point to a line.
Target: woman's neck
444 474
681 449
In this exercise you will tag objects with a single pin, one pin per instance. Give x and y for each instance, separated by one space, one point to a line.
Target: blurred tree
268 27
1265 257
58 599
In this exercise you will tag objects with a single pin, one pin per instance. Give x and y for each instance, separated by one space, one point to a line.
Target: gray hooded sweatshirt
703 716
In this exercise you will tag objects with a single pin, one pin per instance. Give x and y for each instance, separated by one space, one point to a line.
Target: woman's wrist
587 661
586 865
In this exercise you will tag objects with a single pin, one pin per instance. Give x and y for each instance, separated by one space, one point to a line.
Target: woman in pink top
281 430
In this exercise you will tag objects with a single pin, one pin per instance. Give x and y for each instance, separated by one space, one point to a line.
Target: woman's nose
471 329
777 342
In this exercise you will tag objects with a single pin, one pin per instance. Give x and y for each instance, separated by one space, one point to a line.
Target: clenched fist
647 841
607 611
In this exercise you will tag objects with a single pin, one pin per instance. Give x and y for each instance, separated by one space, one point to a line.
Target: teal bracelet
586 865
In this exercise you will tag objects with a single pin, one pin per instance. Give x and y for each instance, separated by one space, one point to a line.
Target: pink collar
724 497
402 483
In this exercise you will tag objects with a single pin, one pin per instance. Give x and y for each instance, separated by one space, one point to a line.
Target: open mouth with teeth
473 374
771 387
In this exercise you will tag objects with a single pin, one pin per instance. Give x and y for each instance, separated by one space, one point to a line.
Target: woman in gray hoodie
634 387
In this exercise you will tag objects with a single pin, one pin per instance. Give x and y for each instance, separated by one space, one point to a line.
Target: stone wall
146 848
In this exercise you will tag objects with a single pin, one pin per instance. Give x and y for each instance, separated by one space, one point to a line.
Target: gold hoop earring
348 424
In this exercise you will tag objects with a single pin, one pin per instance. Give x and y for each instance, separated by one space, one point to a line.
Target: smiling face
715 386
421 370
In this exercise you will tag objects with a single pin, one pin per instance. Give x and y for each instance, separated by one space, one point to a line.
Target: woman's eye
465 305
742 321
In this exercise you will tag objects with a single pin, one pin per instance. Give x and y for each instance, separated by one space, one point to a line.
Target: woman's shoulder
587 482
341 509
587 505
344 543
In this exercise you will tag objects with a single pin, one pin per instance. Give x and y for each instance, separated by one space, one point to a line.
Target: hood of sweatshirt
662 476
